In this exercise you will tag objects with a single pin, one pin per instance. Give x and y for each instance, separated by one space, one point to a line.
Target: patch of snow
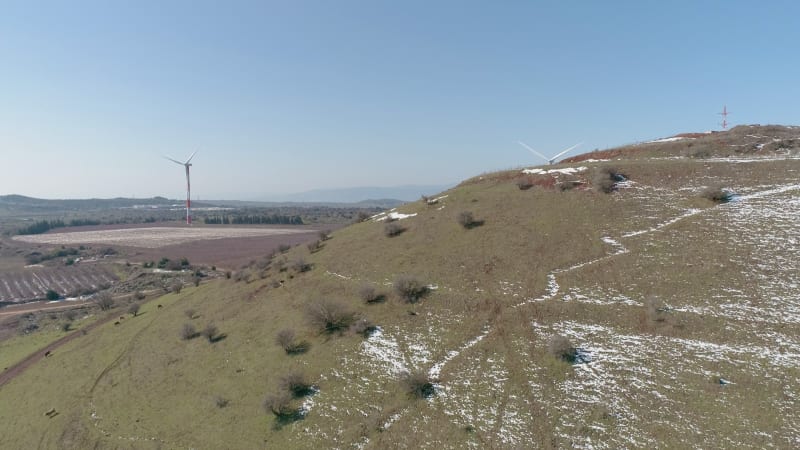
564 171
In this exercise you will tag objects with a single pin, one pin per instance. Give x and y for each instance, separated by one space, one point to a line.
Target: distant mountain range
367 197
404 193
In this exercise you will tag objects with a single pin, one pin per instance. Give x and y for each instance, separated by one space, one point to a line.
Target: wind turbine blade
173 160
190 158
566 151
534 151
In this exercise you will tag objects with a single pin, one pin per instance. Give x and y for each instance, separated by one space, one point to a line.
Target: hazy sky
296 95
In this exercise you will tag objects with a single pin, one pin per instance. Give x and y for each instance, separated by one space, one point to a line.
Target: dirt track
18 368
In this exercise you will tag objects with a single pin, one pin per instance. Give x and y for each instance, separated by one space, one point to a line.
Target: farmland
153 237
21 285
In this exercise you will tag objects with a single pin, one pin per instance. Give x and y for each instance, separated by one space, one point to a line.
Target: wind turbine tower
186 164
554 158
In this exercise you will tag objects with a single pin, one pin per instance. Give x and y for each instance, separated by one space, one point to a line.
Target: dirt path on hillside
20 367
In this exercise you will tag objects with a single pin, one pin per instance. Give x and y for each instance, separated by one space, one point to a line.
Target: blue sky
289 96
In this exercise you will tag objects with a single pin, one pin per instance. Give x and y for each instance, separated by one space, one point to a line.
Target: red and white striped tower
186 164
724 115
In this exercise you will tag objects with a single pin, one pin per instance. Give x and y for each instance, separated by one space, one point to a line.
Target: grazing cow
116 323
48 354
121 318
50 413
160 306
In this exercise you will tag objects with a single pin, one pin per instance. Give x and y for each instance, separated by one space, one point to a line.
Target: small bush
190 313
393 229
417 384
283 248
524 183
361 216
210 332
364 327
561 348
716 195
104 301
296 384
314 246
188 332
467 220
370 294
176 286
288 341
66 326
605 179
281 406
52 295
134 309
71 315
324 235
228 274
196 281
410 288
655 309
300 265
221 402
329 316
139 295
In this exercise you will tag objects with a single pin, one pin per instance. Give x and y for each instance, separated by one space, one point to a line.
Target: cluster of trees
254 220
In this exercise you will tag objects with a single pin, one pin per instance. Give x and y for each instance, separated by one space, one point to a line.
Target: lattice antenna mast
724 115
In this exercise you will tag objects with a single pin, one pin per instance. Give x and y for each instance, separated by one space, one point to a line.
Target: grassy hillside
682 313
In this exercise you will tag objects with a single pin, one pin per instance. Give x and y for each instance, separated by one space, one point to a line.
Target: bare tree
104 300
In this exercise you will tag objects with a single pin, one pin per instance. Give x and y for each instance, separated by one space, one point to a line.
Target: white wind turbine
186 164
554 158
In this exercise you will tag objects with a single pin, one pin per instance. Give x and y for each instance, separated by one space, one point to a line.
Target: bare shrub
196 281
605 179
228 274
716 194
300 265
314 246
71 315
417 384
139 295
369 293
176 286
410 288
280 404
66 326
221 402
134 309
524 183
393 229
190 313
283 248
329 316
210 332
324 235
364 327
465 219
655 309
188 332
297 384
287 339
361 216
561 348
104 301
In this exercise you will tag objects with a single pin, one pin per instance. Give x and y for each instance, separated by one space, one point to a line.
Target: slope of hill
680 316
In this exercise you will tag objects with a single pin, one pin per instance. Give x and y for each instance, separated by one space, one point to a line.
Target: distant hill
21 202
617 301
404 193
